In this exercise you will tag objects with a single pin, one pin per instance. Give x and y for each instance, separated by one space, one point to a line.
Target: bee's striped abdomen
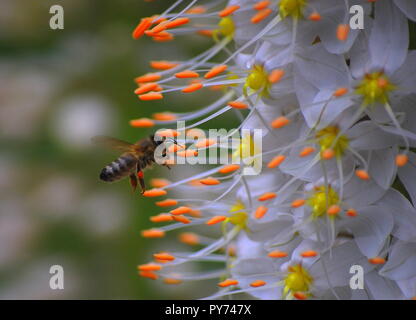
119 168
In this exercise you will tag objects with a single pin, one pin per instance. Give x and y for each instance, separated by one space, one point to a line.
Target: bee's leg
133 181
141 179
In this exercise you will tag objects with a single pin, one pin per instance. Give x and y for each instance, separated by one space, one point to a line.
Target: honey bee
134 159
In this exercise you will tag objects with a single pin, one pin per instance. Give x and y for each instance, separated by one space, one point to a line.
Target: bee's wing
113 143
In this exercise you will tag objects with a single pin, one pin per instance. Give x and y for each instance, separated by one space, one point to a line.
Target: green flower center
321 199
374 87
226 27
293 8
238 216
298 279
258 80
327 139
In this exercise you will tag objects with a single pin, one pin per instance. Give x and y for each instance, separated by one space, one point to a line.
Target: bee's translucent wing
113 143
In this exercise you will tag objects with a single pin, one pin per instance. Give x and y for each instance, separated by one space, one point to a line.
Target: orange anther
167 203
150 77
228 10
276 161
210 181
168 133
204 143
300 296
327 154
181 219
149 267
150 96
187 153
163 217
277 254
315 16
164 116
180 210
306 151
206 33
215 220
309 254
172 281
153 233
146 87
195 213
144 24
342 32
237 105
162 26
163 37
267 196
159 183
340 92
377 260
229 168
148 274
261 15
257 283
280 122
227 283
382 83
333 210
260 212
276 75
189 238
142 123
192 87
154 193
401 160
298 203
261 5
177 22
215 71
197 10
351 213
187 74
362 174
163 65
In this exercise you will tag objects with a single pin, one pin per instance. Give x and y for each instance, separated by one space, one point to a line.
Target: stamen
342 32
257 283
159 183
142 123
151 96
351 213
227 283
298 203
163 65
192 87
163 217
267 196
164 256
164 116
300 296
260 212
237 105
148 274
181 210
150 77
401 160
328 154
315 16
177 22
189 238
261 5
209 181
333 210
261 15
362 174
340 92
306 151
276 75
154 193
167 203
309 254
196 10
172 281
215 71
277 254
186 74
276 161
149 267
228 10
150 86
181 219
377 260
144 24
153 233
280 122
229 168
215 220
205 143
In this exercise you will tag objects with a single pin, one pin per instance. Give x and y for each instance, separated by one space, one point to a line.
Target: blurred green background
57 89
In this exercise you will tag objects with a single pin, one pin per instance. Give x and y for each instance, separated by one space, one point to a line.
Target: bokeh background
57 89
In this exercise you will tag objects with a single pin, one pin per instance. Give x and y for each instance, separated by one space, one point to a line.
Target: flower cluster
336 107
